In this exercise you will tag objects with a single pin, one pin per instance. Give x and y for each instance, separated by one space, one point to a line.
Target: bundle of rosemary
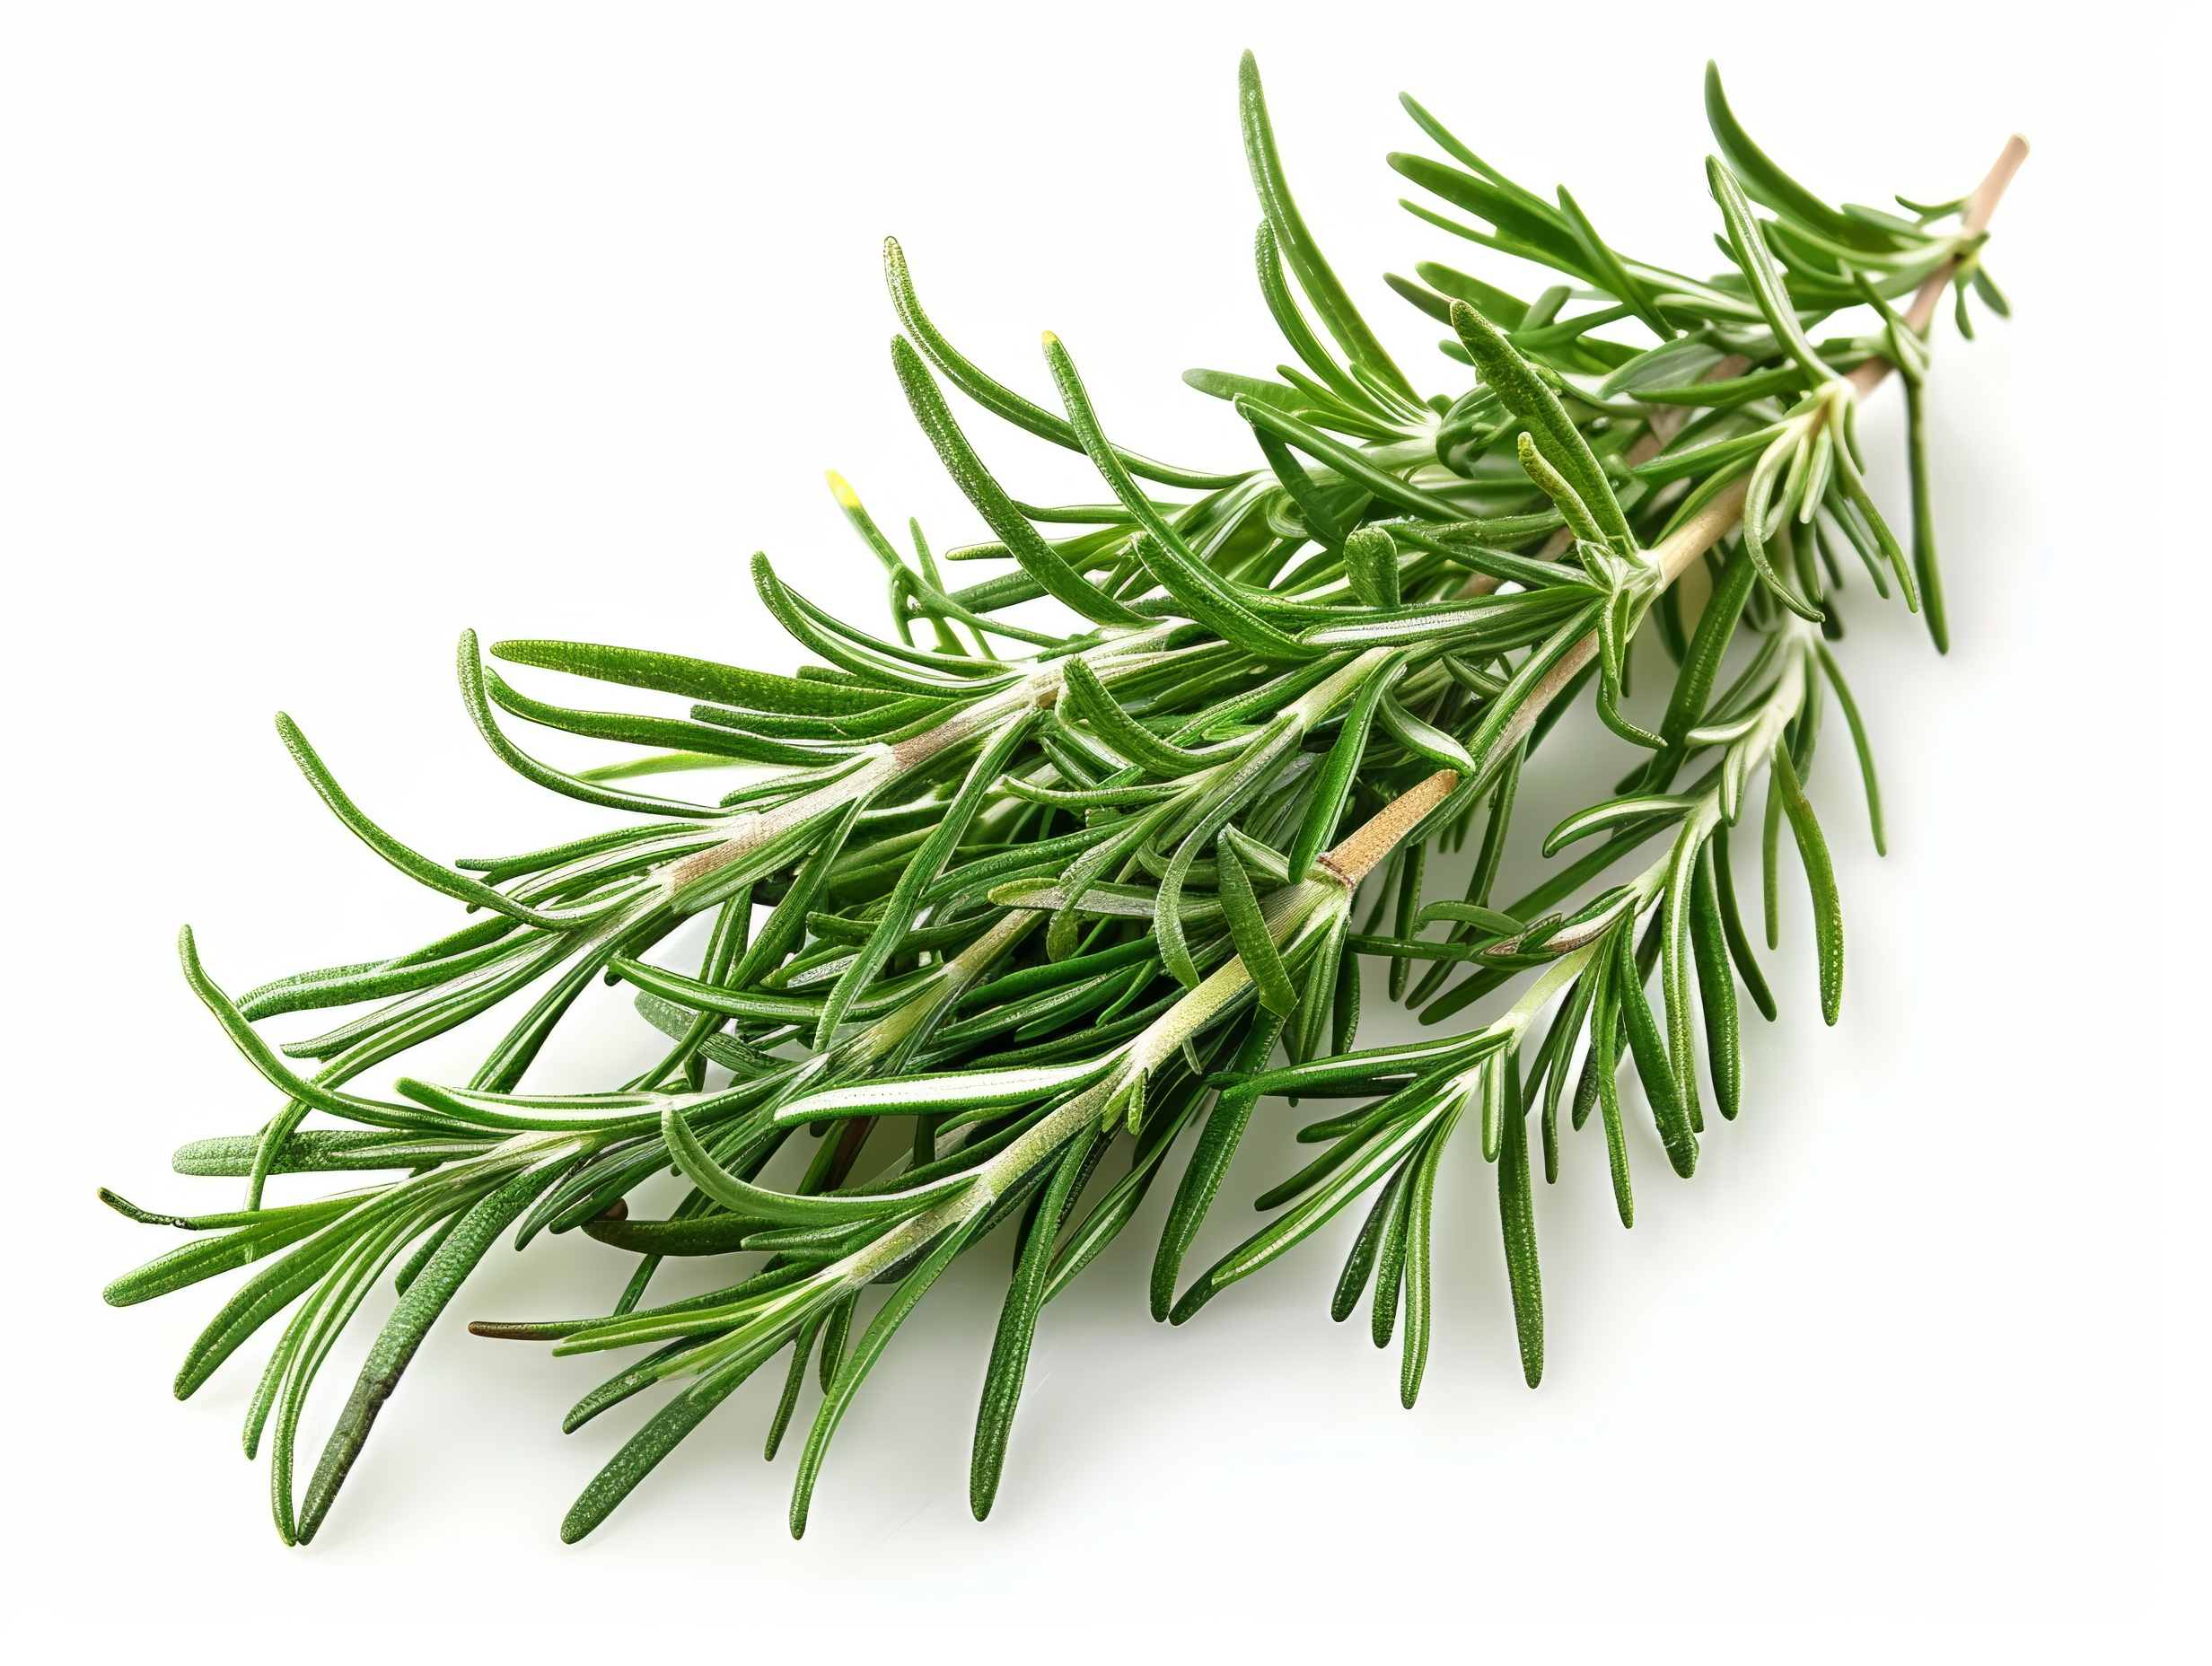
1000 913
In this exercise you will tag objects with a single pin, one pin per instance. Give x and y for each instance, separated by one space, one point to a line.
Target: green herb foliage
999 914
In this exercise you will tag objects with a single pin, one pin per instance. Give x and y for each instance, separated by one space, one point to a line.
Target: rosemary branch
1371 627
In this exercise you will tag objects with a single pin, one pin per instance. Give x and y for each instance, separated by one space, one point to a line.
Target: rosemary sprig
997 900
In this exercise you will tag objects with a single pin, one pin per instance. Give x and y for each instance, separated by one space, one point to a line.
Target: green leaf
1506 311
1037 558
1769 184
1821 876
1761 272
1926 567
644 1450
695 679
1295 1224
1709 644
855 1369
1000 400
794 1380
417 866
1337 315
1017 1325
1390 1260
922 869
1757 508
1209 1162
705 1234
740 1197
1658 808
1516 1211
1414 1255
1675 954
1089 701
1652 1066
1859 742
1243 785
1255 945
1422 738
260 1232
1613 275
1349 462
1717 988
1554 485
403 1333
272 1068
1526 394
1361 1261
1861 500
1526 224
932 1092
1115 1210
1574 1015
1204 594
1335 382
1490 922
1731 922
1135 902
1601 1072
1370 565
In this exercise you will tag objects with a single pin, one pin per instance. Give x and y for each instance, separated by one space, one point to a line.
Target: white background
331 331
